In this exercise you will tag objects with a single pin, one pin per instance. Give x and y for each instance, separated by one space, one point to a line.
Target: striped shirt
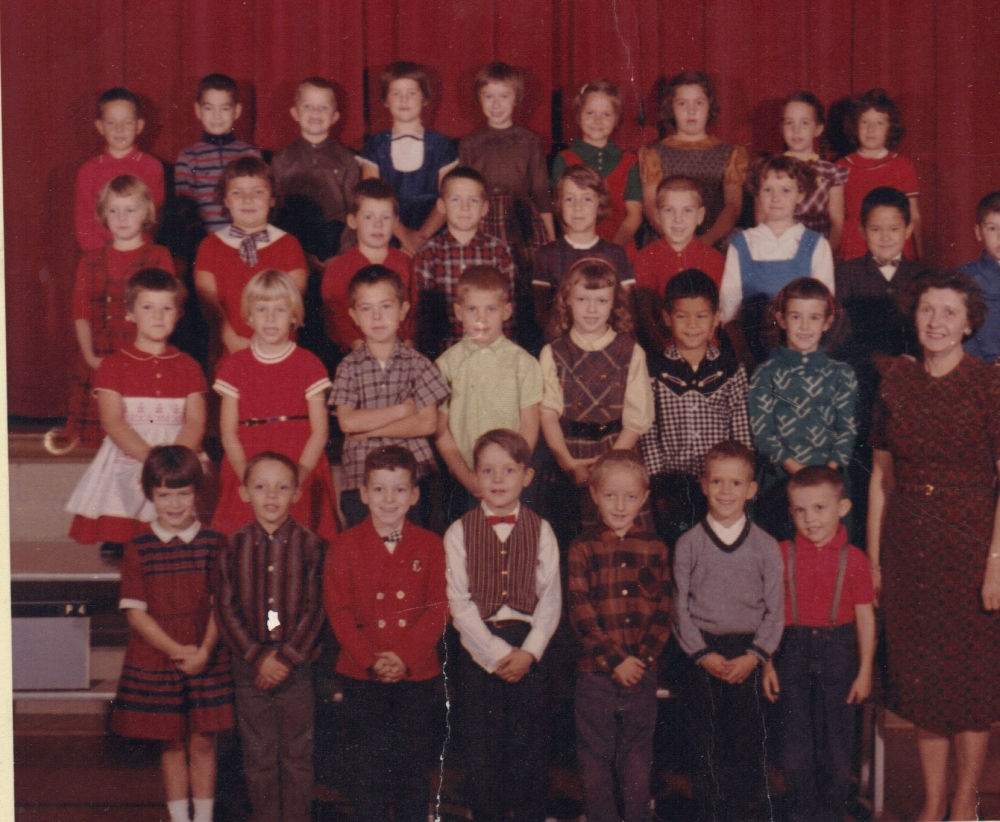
197 172
619 597
268 592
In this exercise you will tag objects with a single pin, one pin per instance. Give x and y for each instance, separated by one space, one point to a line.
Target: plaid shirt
694 410
436 267
362 382
268 593
619 597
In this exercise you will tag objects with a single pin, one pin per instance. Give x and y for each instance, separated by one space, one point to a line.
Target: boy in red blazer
384 592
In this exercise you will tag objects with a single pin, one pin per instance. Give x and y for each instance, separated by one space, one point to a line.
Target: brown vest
502 573
593 382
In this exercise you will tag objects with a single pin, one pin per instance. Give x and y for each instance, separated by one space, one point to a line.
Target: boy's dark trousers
392 732
816 668
614 737
507 730
727 735
276 729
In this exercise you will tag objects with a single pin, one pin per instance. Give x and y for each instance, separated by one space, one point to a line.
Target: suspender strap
837 591
791 582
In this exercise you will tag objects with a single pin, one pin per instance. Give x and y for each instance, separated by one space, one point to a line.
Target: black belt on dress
262 420
592 430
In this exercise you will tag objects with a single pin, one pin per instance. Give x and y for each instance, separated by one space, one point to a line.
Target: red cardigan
377 601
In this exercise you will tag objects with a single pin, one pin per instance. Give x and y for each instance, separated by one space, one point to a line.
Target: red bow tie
510 519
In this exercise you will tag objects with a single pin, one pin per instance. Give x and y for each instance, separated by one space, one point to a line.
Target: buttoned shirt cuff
760 653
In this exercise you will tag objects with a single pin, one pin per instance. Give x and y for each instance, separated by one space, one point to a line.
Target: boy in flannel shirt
700 393
439 263
198 167
385 393
619 589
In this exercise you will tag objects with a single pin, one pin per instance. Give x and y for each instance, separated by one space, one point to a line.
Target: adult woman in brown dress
934 538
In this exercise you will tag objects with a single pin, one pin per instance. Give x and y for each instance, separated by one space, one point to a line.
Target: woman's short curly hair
955 281
879 100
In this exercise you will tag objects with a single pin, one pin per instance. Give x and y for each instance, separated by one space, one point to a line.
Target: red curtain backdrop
939 60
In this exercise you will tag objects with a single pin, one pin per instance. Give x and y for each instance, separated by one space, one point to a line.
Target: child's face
988 233
779 194
389 494
886 232
119 125
591 308
482 315
271 490
692 322
598 118
804 323
217 111
799 127
463 203
155 314
728 485
817 511
498 100
942 320
249 201
690 107
315 111
377 312
272 320
125 216
578 207
174 507
619 498
873 130
374 223
501 478
680 212
405 101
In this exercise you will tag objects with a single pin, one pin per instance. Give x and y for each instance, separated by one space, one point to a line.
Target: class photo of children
509 412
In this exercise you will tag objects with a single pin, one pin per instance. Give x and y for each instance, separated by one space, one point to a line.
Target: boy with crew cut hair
505 599
985 343
823 669
199 166
384 392
620 605
438 265
729 615
270 611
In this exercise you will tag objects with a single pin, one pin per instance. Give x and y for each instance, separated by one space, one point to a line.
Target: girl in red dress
274 399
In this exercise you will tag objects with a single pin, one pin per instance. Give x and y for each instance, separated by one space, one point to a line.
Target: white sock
203 809
178 810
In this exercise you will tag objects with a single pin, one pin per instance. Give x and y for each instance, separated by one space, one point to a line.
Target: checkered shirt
694 410
361 382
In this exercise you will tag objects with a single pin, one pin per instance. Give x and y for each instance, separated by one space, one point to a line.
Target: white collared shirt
727 535
164 535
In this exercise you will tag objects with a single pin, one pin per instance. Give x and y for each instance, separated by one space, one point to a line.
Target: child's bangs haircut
990 204
678 182
499 72
955 281
374 189
731 450
389 458
601 86
171 466
218 82
272 285
592 273
316 82
582 177
154 279
243 167
510 441
888 197
118 93
878 99
690 284
126 185
813 476
807 288
688 78
372 275
618 459
462 173
271 456
482 278
780 165
810 100
404 70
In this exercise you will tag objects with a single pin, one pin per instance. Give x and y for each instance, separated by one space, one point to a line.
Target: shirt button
158 376
503 594
503 572
623 565
402 623
503 553
624 592
270 569
379 595
400 594
381 623
270 600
